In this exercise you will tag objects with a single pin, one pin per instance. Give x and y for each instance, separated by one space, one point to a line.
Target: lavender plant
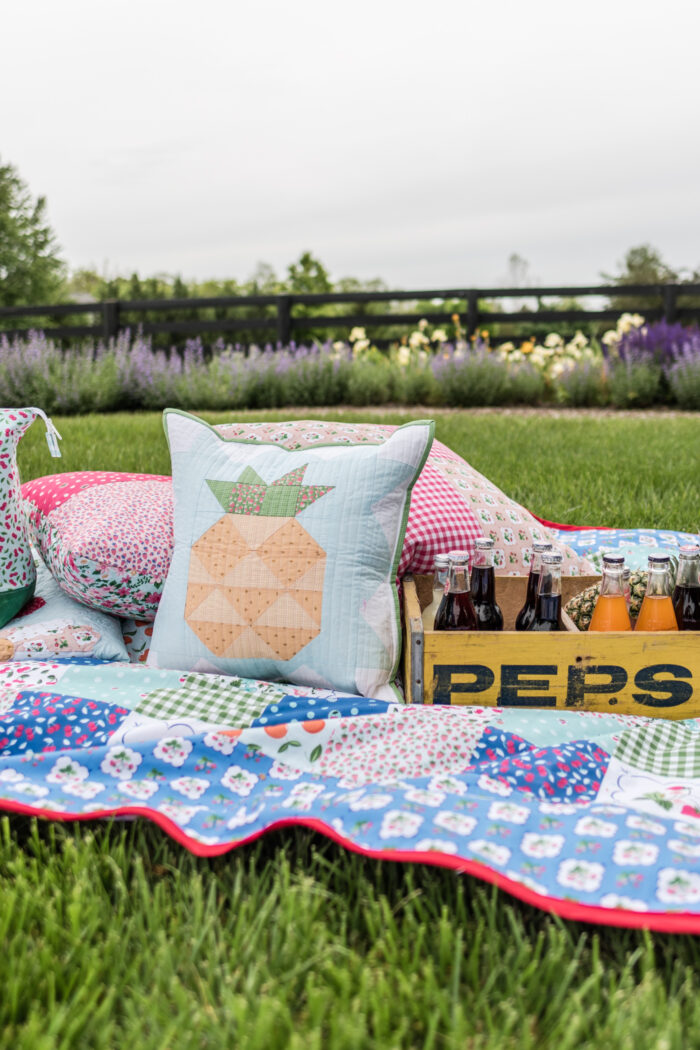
659 342
655 362
683 374
128 373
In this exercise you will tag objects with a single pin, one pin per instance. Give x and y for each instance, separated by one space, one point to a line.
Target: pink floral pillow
108 537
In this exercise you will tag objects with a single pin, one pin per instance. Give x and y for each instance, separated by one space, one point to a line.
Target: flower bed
634 365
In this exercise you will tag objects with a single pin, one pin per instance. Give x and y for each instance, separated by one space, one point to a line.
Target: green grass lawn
615 470
115 937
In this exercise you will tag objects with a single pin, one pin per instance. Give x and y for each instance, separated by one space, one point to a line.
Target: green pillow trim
11 602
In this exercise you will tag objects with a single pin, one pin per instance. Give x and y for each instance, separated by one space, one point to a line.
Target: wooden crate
656 674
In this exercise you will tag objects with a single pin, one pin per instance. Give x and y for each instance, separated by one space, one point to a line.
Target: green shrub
526 384
417 386
683 380
477 378
371 383
581 386
634 384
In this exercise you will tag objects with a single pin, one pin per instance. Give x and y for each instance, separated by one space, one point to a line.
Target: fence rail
280 325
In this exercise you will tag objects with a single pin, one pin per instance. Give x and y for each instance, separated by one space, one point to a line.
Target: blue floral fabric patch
635 544
592 816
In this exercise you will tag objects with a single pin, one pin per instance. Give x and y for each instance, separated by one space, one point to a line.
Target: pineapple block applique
255 584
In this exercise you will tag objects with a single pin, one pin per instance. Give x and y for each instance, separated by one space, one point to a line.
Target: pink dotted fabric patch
128 525
52 491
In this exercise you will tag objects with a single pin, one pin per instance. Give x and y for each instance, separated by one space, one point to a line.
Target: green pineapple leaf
284 498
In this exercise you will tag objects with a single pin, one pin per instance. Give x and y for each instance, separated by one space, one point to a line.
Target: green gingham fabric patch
211 698
666 748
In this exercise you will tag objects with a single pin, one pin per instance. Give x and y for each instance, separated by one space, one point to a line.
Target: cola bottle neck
688 570
483 559
459 579
549 583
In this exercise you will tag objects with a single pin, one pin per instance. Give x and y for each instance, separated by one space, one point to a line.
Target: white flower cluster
553 355
624 325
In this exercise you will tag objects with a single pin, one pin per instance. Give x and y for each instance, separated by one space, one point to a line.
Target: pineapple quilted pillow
284 562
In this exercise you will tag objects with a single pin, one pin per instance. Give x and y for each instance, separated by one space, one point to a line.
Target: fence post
284 319
670 292
472 312
110 319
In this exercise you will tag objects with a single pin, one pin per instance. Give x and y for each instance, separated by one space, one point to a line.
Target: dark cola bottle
525 617
483 587
456 612
548 606
686 593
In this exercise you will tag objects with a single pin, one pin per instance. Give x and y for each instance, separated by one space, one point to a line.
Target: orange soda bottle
657 612
610 613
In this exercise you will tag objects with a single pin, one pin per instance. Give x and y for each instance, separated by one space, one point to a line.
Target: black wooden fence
277 322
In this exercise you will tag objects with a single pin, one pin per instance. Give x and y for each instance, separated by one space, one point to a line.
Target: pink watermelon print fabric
108 537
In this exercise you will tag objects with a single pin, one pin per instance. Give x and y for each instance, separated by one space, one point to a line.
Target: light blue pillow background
360 524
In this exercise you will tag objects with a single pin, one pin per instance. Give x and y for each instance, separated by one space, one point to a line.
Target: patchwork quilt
594 817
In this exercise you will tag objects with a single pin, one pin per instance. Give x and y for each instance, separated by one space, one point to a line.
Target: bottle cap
659 559
689 550
442 561
551 558
459 557
483 543
614 559
626 572
539 546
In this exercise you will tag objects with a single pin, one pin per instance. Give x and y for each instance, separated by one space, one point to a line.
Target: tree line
34 272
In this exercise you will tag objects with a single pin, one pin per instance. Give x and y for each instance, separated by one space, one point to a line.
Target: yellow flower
527 347
484 333
455 318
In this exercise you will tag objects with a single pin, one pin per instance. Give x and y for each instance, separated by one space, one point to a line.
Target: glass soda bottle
441 571
524 619
686 594
456 612
657 612
611 612
548 606
626 586
483 587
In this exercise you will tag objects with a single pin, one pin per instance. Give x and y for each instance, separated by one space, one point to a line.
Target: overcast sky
420 143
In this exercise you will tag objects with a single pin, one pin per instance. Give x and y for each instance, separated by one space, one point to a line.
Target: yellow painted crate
656 674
